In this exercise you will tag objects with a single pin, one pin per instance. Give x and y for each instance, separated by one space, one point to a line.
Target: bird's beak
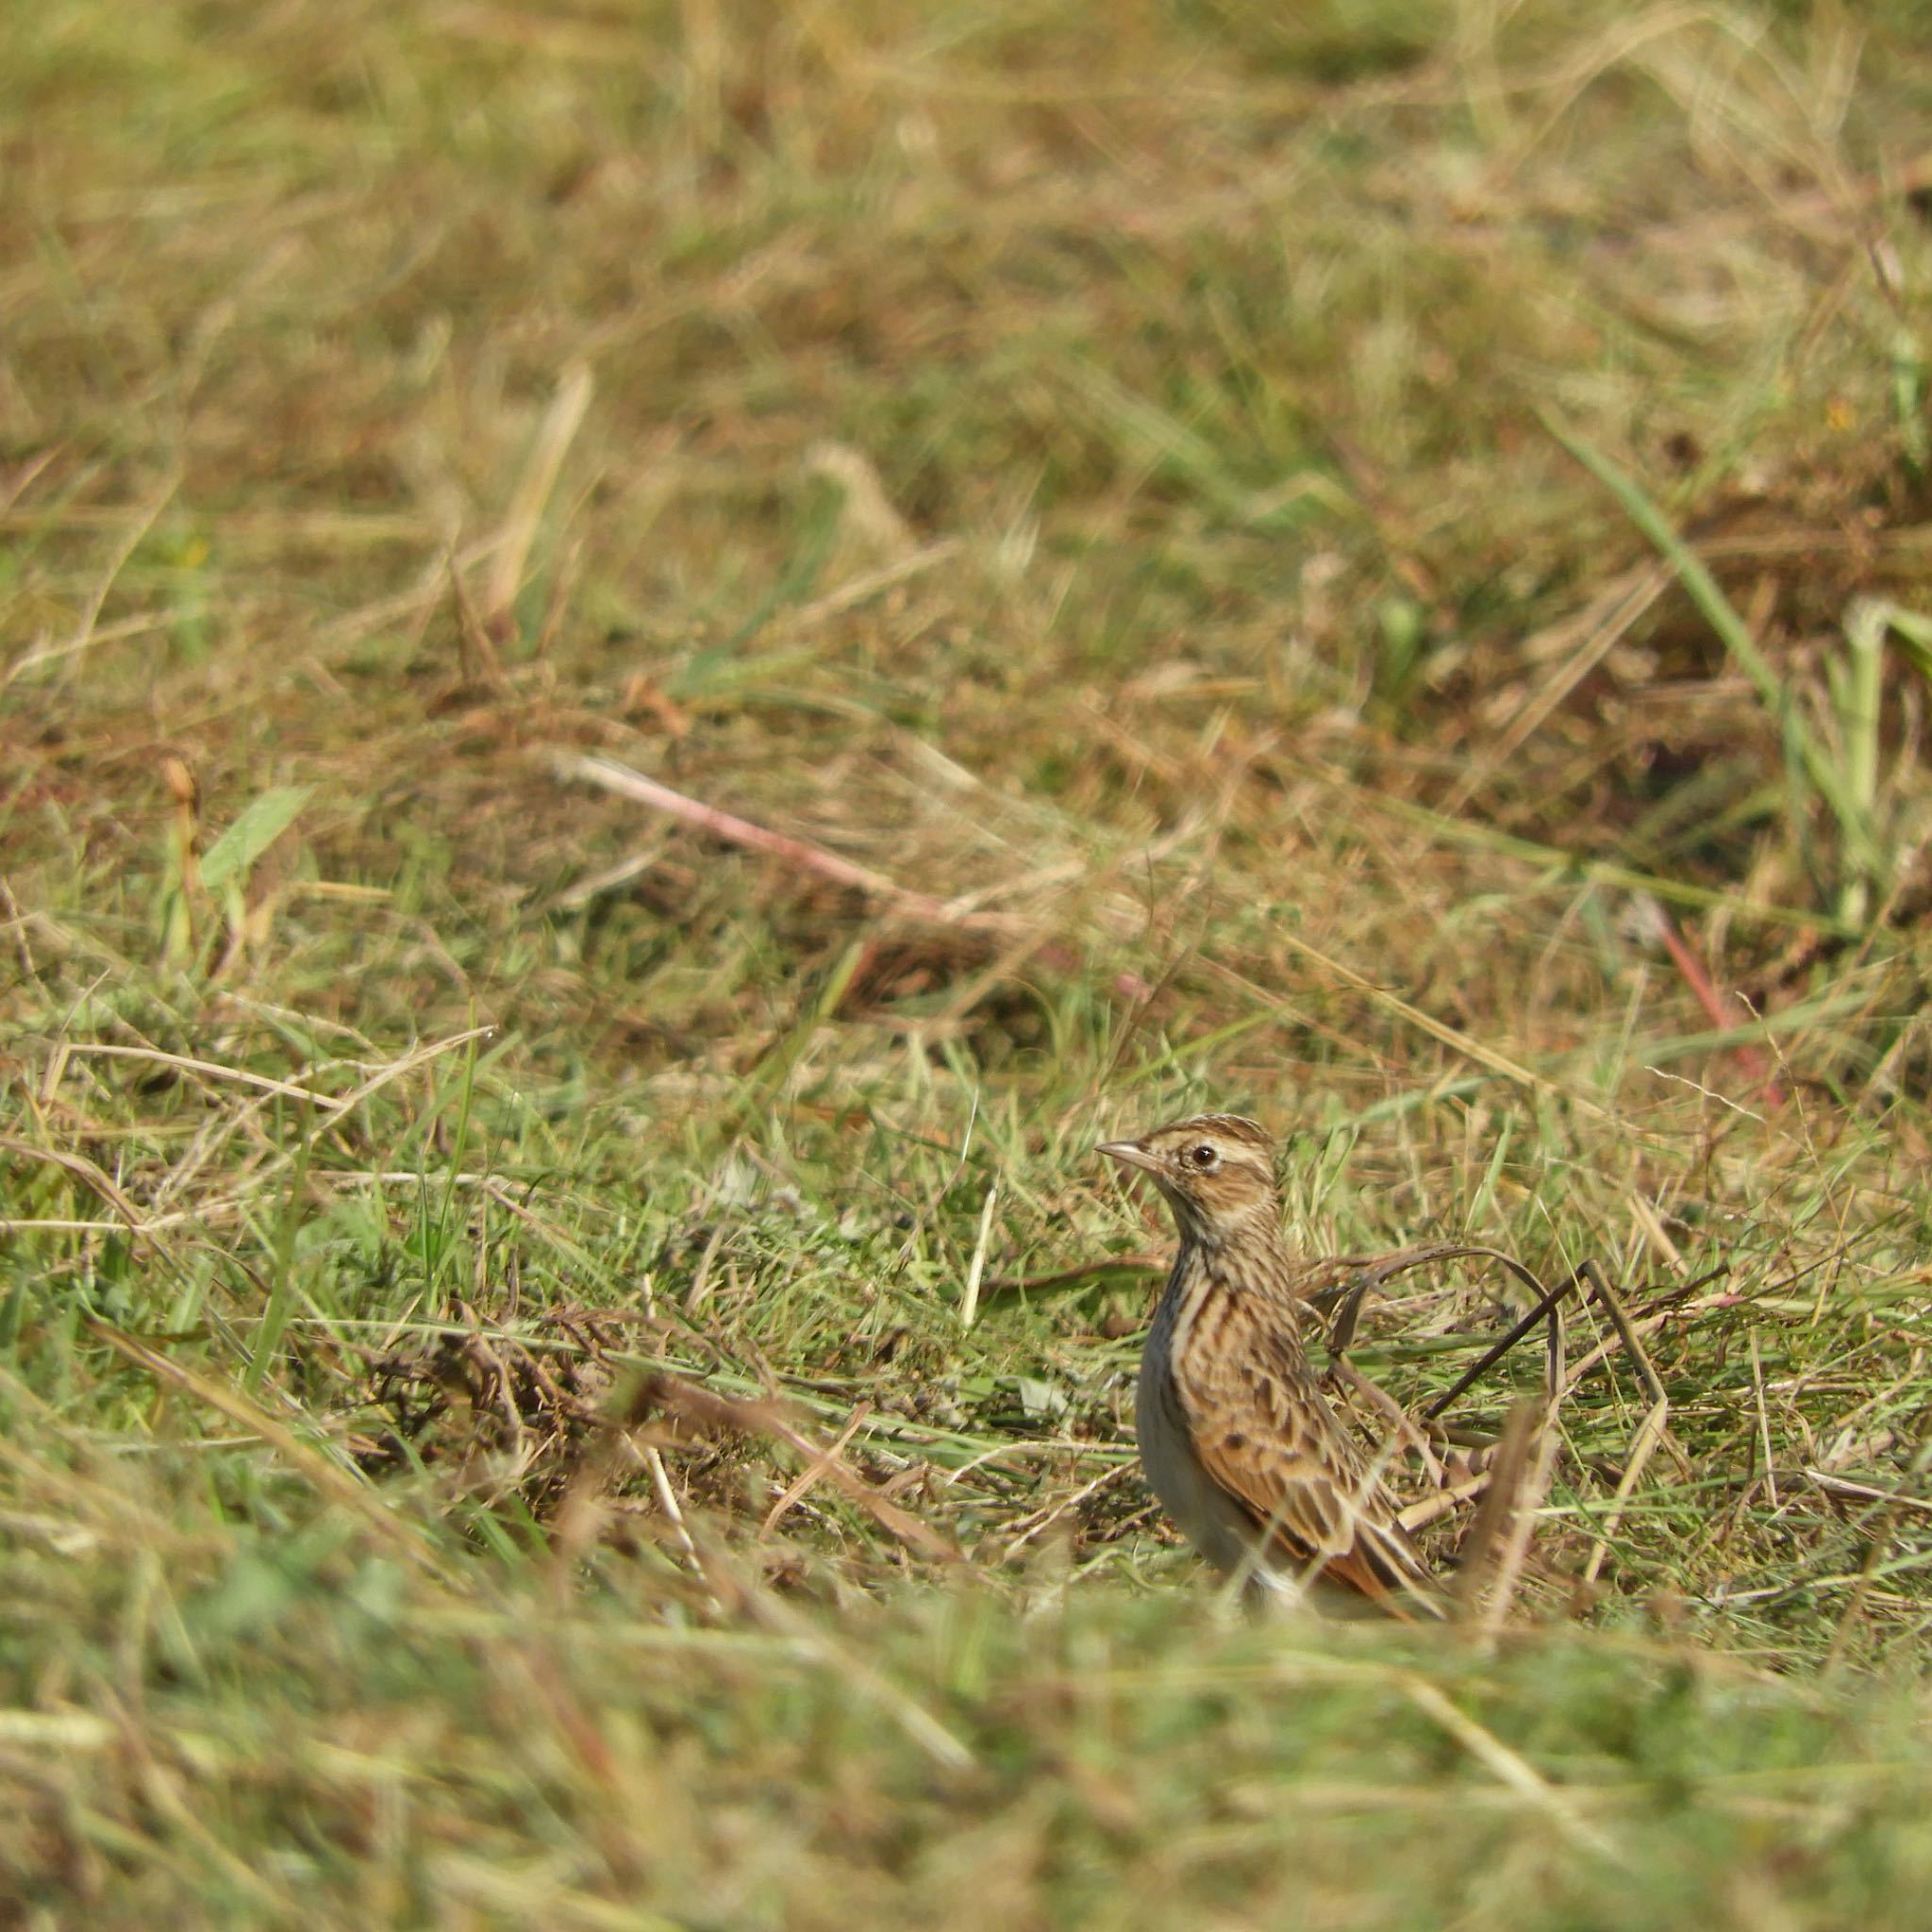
1129 1153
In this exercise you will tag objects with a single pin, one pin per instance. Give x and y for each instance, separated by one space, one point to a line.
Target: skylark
1238 1440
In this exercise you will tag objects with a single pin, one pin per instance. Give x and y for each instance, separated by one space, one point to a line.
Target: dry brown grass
1095 482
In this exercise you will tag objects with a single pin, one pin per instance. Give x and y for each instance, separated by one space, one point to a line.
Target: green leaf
262 822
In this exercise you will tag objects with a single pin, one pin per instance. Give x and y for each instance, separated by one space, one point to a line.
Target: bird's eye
1205 1155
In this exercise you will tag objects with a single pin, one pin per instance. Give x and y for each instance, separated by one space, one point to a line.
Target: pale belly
1205 1513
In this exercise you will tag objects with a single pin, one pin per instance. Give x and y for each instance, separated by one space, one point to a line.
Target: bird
1238 1442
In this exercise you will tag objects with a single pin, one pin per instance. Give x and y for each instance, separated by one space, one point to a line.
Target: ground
653 661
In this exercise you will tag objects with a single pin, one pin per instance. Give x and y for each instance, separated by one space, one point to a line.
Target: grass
1284 554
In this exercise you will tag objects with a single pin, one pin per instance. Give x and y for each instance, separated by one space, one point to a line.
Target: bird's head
1217 1171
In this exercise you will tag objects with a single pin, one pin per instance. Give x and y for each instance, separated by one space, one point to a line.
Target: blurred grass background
1360 562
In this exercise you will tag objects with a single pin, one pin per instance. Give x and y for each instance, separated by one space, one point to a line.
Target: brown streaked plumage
1238 1440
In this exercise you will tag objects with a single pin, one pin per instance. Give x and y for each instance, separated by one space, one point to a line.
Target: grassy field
565 1359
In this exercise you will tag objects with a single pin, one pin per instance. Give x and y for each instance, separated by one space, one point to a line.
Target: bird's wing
1263 1432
